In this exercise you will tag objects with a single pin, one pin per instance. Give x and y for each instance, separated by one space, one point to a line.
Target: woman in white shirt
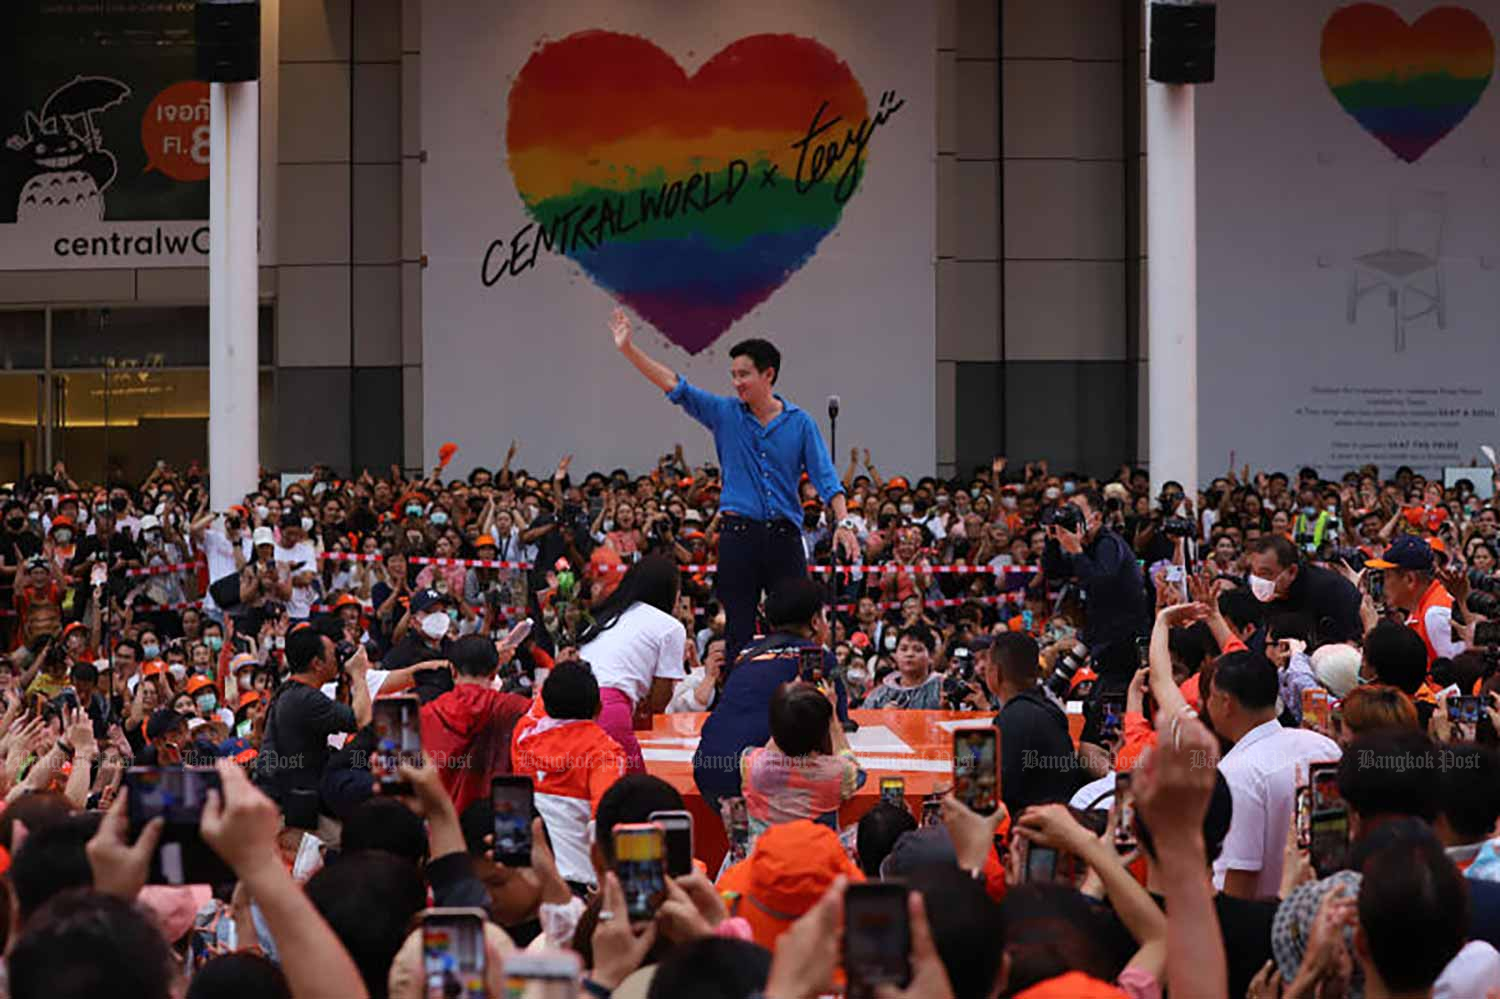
635 648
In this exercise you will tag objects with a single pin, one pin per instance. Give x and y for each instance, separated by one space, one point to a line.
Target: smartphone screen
453 954
641 865
932 812
811 668
1463 708
1304 817
1112 716
1041 863
1316 708
512 808
1328 840
1125 814
1323 778
877 935
678 827
1142 652
976 768
737 821
398 739
552 974
176 795
893 791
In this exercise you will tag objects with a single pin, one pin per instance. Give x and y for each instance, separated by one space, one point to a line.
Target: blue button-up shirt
762 465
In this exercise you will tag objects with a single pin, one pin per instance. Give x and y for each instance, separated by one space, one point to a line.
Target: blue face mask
151 650
414 511
453 615
439 517
206 702
1068 487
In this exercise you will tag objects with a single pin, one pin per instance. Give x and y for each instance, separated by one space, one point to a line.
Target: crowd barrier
873 570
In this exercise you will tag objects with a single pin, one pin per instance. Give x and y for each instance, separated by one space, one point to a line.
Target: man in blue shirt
764 444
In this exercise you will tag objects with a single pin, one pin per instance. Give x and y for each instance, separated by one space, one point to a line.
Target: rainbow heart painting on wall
1408 85
690 198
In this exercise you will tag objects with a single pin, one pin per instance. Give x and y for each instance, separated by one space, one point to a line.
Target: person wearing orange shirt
1410 585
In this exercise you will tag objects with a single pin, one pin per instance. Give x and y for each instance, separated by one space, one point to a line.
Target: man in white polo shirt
1262 769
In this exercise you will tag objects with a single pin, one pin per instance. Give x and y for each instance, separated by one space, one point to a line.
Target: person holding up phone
807 769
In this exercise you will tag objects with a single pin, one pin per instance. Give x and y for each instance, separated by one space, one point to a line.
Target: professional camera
1481 580
1177 527
1067 516
1483 603
1060 682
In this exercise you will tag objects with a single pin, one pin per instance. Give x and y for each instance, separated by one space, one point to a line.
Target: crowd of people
1257 661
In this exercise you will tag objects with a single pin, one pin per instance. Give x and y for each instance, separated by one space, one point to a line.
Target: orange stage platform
915 745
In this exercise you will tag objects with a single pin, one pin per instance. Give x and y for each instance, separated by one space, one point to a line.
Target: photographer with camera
1082 549
1411 586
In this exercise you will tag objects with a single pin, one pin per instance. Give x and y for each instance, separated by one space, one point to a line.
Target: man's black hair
632 798
1290 625
133 646
922 634
35 812
1390 772
571 692
966 927
85 673
794 602
83 945
474 655
1018 658
1469 790
383 823
239 976
1093 497
302 647
1413 906
712 968
877 833
762 353
1283 550
478 470
1051 929
369 900
1248 677
1241 609
1215 822
1190 645
52 860
800 715
1397 655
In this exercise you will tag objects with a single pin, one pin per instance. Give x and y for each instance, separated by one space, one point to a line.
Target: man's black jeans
753 557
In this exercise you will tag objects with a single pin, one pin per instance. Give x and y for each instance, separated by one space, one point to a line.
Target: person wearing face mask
1286 585
16 537
206 701
432 617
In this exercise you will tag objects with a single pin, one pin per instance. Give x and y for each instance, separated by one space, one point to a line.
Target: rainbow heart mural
1407 85
691 199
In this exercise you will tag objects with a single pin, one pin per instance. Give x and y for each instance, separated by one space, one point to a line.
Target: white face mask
907 509
262 512
435 625
178 671
307 524
1264 589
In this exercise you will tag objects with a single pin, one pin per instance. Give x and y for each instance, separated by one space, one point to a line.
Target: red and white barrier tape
162 570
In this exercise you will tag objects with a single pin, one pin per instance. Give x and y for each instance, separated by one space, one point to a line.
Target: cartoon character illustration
58 170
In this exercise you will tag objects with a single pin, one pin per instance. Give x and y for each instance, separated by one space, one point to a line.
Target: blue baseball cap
1407 552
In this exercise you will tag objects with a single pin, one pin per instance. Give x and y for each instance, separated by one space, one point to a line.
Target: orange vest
1436 596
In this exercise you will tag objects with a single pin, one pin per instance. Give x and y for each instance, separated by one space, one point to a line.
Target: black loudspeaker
228 37
1182 42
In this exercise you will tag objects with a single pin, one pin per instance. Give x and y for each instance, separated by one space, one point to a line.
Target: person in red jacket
468 729
572 761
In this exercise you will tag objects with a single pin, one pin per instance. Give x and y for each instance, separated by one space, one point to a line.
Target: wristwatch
848 523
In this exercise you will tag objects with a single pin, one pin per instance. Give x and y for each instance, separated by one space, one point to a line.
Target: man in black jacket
1280 580
1037 762
1114 588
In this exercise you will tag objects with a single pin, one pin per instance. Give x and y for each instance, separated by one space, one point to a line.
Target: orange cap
483 540
898 482
248 698
197 683
790 868
1073 985
347 600
153 667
